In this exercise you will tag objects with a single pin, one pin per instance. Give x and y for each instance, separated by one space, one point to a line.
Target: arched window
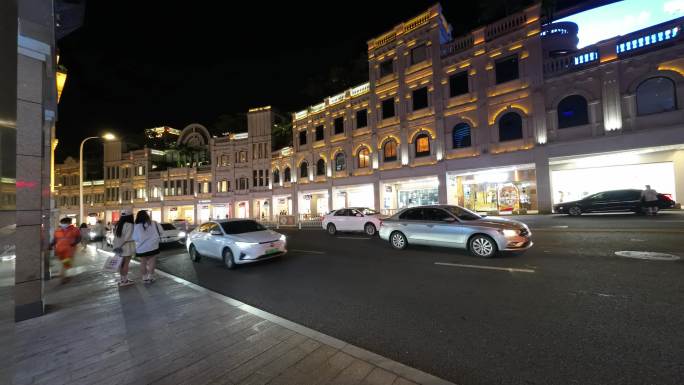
422 144
364 158
304 170
510 127
572 111
389 151
276 176
460 136
656 95
340 162
320 167
287 175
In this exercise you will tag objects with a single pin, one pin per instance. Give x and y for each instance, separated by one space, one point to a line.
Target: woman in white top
146 234
123 239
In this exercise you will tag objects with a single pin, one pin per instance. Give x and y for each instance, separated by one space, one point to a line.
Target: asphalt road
574 312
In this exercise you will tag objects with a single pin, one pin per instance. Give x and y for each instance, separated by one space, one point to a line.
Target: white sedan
235 242
169 234
352 219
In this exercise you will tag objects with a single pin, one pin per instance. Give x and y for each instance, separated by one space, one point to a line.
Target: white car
352 219
235 242
169 234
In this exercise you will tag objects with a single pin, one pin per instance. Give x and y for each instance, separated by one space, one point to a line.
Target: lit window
364 158
422 145
390 151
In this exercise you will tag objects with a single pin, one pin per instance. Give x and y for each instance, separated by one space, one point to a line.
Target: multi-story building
508 118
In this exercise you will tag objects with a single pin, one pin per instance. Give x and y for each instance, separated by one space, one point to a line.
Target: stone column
36 105
541 164
376 193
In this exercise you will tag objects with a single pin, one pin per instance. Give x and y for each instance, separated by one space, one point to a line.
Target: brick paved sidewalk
174 332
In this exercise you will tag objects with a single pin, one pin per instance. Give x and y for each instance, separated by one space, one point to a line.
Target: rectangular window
339 125
192 186
386 68
420 98
320 135
361 118
388 108
458 84
261 177
166 188
418 54
254 177
507 69
266 174
185 187
302 138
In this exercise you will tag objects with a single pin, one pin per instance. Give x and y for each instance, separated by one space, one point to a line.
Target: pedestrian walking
649 200
66 237
85 234
123 240
146 234
100 233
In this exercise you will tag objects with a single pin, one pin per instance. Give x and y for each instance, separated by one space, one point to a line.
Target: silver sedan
454 226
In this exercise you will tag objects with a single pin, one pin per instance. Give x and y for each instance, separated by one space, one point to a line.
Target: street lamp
107 136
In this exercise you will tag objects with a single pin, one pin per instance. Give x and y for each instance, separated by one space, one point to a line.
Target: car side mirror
449 220
216 232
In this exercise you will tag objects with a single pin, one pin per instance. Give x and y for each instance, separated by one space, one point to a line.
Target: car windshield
462 214
168 226
367 211
239 227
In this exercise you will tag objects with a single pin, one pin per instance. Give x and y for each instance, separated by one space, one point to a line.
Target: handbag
113 263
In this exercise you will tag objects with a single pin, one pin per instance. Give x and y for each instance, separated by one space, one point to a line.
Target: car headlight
509 233
244 245
283 237
181 234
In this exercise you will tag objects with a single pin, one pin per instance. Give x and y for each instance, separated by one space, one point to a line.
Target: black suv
607 201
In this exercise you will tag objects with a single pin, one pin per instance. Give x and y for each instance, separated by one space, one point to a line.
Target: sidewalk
175 332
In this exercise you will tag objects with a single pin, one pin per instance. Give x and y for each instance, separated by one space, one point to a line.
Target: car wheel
194 255
331 229
398 240
228 258
575 211
482 246
369 228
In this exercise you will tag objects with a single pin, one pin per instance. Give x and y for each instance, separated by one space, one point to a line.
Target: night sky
175 63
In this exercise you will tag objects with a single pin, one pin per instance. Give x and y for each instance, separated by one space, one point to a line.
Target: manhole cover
647 255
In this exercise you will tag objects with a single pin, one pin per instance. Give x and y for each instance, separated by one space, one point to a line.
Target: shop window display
509 191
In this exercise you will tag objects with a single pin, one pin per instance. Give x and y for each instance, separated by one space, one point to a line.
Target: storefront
203 211
282 205
575 178
242 209
353 196
313 203
262 209
186 213
502 190
398 194
220 211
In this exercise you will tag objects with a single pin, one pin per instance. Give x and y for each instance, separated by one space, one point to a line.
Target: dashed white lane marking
509 269
308 251
352 238
637 240
649 255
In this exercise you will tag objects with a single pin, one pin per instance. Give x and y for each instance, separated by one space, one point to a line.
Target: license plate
272 251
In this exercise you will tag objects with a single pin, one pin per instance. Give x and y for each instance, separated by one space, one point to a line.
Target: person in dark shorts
146 234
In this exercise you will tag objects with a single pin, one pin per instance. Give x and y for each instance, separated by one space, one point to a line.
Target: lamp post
106 136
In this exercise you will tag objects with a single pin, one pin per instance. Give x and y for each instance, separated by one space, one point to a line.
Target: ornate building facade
509 118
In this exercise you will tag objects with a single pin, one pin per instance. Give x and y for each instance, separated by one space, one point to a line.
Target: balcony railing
458 45
656 35
505 26
581 59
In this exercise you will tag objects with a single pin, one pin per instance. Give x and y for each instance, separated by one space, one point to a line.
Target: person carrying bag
147 235
125 246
